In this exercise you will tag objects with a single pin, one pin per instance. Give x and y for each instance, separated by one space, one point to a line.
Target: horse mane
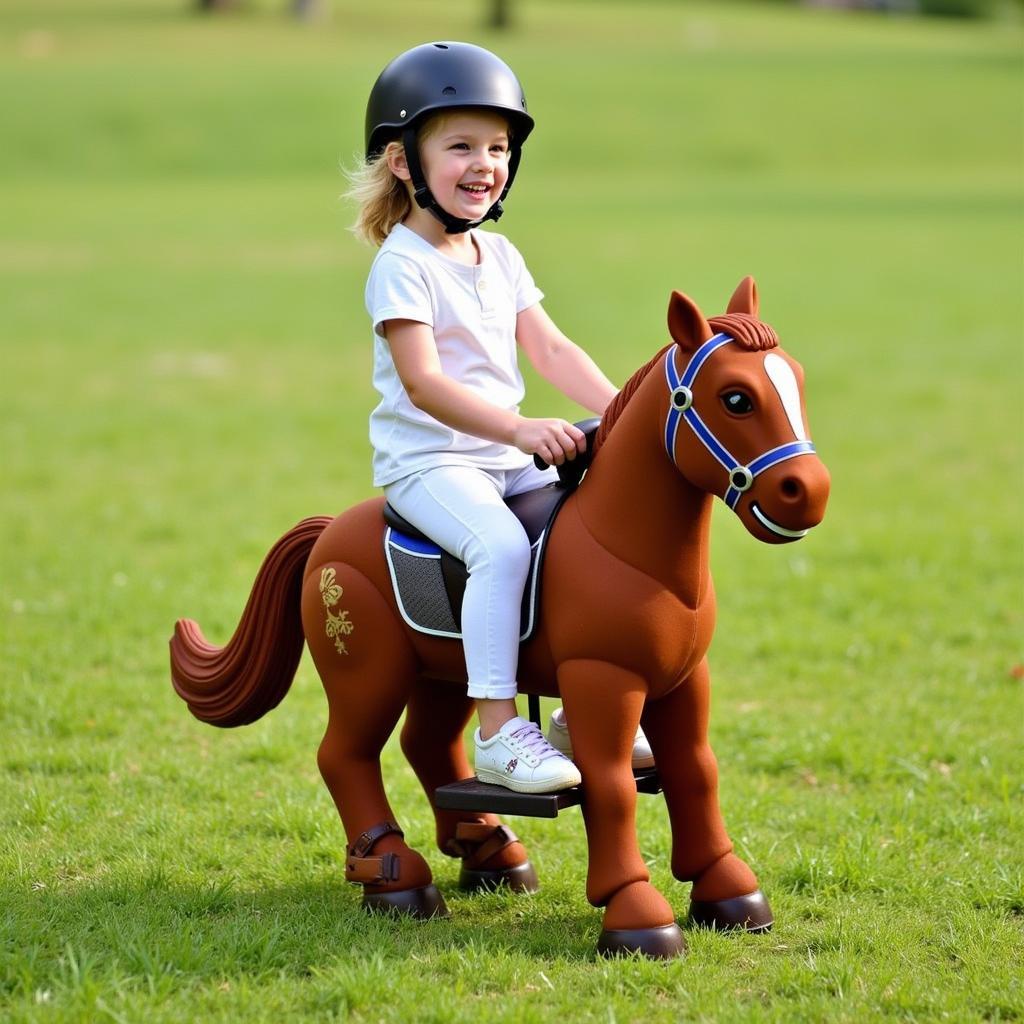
619 402
746 330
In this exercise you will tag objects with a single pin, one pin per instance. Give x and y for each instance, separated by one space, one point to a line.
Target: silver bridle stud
741 478
681 398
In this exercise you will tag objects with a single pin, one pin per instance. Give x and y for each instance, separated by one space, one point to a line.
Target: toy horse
624 623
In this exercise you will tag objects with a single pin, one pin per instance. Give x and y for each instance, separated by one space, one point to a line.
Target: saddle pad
429 583
420 591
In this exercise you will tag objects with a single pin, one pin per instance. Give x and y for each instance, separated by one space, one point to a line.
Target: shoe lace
532 740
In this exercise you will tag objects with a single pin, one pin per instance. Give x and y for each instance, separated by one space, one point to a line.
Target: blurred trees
299 8
500 13
944 8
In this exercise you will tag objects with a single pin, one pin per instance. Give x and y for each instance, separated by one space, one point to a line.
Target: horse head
735 421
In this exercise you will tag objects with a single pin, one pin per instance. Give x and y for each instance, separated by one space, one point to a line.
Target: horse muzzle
787 501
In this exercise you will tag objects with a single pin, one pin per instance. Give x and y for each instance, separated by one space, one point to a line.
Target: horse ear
686 323
744 299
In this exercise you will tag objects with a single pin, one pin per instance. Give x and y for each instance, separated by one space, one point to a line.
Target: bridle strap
769 459
681 404
741 477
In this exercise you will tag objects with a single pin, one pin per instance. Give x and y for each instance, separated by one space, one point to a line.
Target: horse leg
602 705
367 678
725 891
432 740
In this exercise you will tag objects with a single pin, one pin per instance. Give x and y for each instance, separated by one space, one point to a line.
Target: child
445 126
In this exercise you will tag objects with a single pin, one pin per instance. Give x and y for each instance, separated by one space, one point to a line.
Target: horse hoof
521 878
750 913
658 943
421 903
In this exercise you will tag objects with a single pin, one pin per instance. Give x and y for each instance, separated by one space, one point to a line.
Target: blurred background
182 302
186 357
185 373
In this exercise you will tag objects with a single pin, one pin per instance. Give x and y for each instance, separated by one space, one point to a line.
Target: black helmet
438 76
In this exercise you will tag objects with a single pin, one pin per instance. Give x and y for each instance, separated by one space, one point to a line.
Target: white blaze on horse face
781 374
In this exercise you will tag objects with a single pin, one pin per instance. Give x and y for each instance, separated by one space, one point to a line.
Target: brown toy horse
627 615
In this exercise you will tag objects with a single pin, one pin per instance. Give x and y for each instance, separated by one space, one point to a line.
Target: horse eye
737 402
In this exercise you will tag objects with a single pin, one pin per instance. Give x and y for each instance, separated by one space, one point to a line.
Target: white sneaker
518 757
558 737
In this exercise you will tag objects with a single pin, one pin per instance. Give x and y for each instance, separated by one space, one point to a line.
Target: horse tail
240 682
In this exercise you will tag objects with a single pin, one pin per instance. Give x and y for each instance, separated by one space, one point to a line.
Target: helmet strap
425 198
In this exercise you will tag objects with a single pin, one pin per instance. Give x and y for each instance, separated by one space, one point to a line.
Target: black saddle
429 583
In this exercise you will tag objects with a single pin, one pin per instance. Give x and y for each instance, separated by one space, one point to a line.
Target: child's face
465 160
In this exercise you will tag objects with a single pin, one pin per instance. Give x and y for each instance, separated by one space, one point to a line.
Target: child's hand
553 440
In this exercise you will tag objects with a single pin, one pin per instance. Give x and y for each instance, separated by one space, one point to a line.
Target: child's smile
465 159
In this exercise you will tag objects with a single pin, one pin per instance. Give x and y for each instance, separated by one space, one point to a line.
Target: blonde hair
382 198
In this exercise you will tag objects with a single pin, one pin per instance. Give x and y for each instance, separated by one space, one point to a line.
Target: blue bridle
741 478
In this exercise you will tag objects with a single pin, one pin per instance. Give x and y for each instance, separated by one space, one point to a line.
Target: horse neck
640 508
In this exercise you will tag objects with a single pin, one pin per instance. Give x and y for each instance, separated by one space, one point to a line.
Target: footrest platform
472 795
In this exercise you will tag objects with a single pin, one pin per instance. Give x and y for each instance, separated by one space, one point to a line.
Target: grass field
185 373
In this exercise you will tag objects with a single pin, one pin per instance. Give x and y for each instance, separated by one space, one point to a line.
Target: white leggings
462 509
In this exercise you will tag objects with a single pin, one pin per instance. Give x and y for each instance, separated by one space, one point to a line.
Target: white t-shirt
472 311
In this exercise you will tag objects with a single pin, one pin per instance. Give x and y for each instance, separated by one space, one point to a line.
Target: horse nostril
791 488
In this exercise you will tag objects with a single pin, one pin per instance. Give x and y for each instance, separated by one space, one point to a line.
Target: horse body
629 582
626 617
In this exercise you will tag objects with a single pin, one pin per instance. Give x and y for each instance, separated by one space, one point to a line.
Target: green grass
185 373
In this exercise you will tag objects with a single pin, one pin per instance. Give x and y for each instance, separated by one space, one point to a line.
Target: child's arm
562 362
415 356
